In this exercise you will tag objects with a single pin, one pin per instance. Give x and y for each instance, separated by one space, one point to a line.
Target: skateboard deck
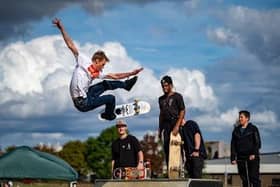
175 159
130 109
128 173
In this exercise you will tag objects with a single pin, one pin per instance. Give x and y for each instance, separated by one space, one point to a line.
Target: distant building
222 169
49 148
153 153
217 149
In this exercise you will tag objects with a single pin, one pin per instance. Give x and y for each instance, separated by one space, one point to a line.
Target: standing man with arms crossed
126 150
245 145
172 112
86 96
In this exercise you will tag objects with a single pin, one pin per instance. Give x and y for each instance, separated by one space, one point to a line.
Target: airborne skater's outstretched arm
70 44
123 75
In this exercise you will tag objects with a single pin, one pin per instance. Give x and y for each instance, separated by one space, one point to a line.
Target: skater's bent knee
110 98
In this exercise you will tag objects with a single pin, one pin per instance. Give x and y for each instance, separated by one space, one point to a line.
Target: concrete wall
266 180
158 183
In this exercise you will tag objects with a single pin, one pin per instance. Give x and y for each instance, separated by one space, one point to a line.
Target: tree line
94 154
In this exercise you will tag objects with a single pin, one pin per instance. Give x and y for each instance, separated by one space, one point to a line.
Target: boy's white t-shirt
83 75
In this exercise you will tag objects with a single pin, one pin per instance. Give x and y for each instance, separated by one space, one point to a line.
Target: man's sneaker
108 117
130 83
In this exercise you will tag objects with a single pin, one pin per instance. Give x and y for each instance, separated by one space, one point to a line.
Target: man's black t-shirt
125 152
189 130
170 107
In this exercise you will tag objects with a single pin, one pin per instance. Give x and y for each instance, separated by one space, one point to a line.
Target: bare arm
123 75
113 163
197 142
70 44
140 160
179 122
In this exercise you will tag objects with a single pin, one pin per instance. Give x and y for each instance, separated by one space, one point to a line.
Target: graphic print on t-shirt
170 101
126 146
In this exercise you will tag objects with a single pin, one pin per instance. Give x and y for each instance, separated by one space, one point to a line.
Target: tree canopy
94 155
73 152
99 154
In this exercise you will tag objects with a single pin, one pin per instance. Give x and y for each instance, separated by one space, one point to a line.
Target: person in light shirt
85 95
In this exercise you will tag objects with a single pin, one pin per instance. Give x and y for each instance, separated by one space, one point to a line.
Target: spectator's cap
120 123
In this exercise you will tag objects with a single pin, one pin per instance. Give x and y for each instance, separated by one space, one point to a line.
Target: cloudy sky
224 56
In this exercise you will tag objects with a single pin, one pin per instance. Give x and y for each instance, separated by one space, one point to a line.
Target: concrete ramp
159 183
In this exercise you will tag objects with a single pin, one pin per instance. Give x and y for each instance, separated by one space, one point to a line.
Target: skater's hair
166 79
245 113
100 55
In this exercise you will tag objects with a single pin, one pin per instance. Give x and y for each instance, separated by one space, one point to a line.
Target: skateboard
128 173
175 158
130 109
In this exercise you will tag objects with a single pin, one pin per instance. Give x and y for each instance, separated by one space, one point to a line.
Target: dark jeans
166 140
194 166
94 98
249 169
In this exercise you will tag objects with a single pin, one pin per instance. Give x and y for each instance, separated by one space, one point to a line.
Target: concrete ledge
159 183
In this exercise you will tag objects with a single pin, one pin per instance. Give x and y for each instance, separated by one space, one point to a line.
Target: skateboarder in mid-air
86 96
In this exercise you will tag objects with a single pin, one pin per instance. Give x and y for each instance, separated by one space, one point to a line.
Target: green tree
99 154
10 148
73 152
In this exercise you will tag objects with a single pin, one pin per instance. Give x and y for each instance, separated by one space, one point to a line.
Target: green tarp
27 163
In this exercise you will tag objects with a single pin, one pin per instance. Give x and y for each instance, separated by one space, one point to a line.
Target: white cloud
32 139
266 119
193 86
223 36
220 121
35 78
37 135
251 30
217 122
255 33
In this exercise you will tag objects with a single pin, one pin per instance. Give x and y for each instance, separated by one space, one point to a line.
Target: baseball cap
121 122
